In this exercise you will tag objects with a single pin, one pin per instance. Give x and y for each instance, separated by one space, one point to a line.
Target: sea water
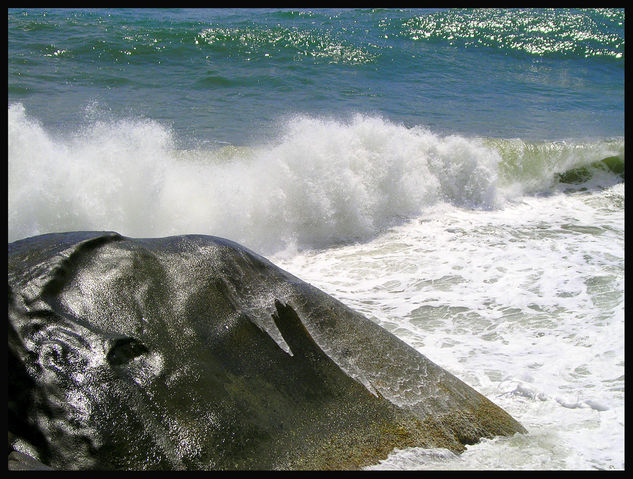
437 170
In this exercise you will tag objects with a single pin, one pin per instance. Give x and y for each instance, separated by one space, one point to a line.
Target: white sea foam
323 182
320 182
525 303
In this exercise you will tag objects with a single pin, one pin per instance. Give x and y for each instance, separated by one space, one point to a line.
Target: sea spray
320 182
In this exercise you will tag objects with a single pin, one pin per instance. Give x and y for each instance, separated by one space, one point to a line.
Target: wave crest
321 182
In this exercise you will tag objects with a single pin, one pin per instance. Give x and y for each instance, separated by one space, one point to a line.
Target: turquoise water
230 75
440 171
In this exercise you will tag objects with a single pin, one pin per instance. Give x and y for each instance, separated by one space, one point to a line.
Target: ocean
440 171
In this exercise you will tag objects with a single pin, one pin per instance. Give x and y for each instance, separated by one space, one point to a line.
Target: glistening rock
192 352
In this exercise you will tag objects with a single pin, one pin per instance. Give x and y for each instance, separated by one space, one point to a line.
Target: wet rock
192 352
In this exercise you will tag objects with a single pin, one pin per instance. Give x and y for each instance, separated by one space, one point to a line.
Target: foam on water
322 182
319 182
525 303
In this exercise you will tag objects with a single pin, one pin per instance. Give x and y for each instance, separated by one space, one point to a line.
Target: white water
467 249
320 182
525 304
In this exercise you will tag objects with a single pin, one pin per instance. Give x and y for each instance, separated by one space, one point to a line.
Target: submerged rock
614 164
192 352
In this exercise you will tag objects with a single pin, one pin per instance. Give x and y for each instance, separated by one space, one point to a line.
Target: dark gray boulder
192 352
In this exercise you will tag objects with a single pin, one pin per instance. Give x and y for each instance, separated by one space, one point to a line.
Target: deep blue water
231 75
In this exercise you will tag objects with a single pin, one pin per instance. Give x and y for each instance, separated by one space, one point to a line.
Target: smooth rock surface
192 352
